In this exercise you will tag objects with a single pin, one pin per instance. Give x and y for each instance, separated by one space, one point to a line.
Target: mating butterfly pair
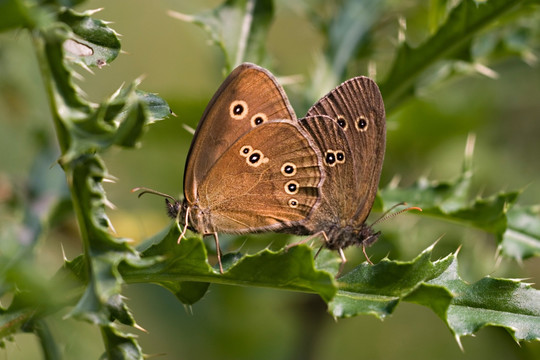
254 167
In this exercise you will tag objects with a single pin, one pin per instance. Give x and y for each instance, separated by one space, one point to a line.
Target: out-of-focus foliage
459 39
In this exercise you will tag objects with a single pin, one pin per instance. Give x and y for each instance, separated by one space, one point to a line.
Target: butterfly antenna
387 214
151 191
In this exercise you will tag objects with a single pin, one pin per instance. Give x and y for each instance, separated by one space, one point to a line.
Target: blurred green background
426 136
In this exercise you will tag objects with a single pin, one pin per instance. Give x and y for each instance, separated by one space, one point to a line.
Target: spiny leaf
83 130
120 345
104 252
449 200
521 239
466 308
178 267
453 38
93 43
378 289
238 27
506 303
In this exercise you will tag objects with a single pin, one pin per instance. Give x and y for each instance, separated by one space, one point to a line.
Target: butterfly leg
185 227
218 251
325 240
343 261
305 240
365 254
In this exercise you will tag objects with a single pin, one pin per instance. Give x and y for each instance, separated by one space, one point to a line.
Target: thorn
458 340
112 228
180 16
138 327
484 70
189 129
458 249
291 79
372 69
394 183
110 179
109 204
402 29
63 252
189 309
77 76
93 11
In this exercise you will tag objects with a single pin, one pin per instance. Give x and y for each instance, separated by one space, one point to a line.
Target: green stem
48 81
48 345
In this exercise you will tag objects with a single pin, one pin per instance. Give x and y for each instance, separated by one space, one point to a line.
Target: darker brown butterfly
254 167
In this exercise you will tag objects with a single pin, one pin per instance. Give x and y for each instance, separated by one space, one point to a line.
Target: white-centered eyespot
292 187
293 203
256 158
342 122
238 109
288 169
330 158
361 123
246 150
258 119
340 156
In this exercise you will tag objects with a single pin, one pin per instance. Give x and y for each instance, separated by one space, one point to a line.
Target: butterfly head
341 237
175 208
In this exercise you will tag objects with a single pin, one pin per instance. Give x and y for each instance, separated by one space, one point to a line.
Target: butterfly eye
292 187
258 119
361 123
288 169
330 158
238 109
246 150
293 203
342 122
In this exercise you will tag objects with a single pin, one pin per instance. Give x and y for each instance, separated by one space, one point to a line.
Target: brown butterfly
254 167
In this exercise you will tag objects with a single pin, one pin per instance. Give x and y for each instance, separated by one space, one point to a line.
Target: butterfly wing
337 201
248 97
357 107
268 179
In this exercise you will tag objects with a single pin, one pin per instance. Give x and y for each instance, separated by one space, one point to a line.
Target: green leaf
505 303
99 303
92 43
179 267
120 346
238 27
378 289
452 38
348 31
466 308
521 239
157 107
449 200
